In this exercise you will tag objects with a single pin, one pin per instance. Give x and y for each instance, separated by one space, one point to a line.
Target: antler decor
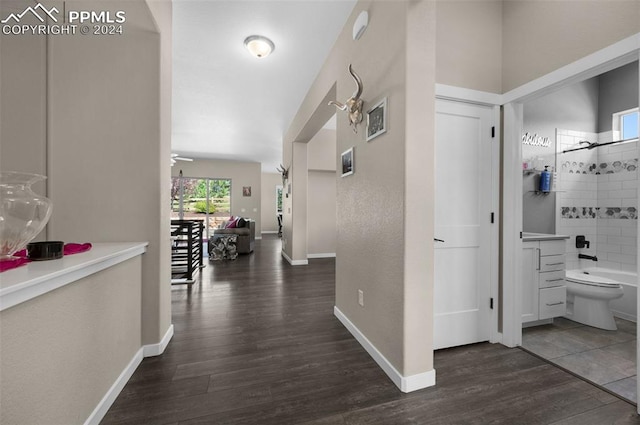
353 105
284 172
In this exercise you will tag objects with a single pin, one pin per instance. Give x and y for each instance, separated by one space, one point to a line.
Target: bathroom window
625 125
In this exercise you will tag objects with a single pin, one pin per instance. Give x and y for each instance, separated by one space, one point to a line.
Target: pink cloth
232 223
76 248
12 264
69 249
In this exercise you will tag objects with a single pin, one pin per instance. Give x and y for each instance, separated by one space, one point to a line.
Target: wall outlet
361 297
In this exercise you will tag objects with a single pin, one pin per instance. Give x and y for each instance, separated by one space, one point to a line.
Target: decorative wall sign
535 140
347 162
628 213
377 119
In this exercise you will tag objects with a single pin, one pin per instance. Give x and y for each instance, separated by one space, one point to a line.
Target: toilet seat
587 279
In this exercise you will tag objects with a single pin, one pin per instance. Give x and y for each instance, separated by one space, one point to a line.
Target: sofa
244 228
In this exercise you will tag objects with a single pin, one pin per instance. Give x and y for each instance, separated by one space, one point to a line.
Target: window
625 125
207 200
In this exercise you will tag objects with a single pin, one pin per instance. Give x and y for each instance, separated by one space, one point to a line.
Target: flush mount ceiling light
259 46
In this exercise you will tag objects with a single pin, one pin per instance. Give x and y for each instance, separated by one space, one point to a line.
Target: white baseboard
148 350
625 316
269 232
103 407
322 255
406 384
151 350
292 262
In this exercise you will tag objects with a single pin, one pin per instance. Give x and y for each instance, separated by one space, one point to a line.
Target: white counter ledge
39 277
528 236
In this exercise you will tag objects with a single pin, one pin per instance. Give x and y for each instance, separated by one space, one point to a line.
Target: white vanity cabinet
544 292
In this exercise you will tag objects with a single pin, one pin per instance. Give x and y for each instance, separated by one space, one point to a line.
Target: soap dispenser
545 180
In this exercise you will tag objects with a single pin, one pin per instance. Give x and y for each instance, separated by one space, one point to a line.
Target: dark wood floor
256 342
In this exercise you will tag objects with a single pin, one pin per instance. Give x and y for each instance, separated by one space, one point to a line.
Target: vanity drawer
551 279
552 263
552 302
552 247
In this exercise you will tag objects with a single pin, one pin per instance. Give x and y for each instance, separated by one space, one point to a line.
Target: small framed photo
377 119
347 162
246 190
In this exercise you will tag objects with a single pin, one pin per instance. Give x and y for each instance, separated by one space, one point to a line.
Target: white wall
321 194
575 108
617 92
542 36
23 111
241 174
321 209
379 250
599 200
62 351
93 114
268 204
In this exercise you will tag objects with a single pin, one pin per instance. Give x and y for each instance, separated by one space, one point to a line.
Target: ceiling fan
175 156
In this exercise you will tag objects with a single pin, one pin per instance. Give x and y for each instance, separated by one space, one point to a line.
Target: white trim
258 238
39 277
292 262
494 249
461 94
103 406
148 350
322 255
151 350
406 384
512 226
269 232
604 60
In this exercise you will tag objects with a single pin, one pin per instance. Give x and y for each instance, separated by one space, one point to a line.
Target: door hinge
492 217
491 303
520 235
493 132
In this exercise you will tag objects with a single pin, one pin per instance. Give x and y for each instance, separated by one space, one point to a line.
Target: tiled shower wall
598 198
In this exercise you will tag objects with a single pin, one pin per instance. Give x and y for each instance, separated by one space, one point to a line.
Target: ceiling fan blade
179 158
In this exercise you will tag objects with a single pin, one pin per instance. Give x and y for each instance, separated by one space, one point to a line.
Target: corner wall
384 216
94 108
106 145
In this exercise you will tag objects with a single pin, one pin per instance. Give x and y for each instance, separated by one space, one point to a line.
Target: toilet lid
587 279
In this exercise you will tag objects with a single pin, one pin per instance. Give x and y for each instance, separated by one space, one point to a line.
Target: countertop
39 277
527 236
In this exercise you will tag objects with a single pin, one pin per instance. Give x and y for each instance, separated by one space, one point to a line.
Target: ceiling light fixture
259 46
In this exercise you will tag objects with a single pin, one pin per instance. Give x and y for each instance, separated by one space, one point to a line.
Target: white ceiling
230 105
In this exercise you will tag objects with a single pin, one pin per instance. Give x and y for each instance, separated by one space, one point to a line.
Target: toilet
588 299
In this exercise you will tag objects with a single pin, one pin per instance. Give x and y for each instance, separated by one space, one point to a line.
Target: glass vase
23 214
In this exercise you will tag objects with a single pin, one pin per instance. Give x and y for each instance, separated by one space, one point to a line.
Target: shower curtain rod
597 145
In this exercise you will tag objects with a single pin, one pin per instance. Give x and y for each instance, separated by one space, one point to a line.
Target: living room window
207 200
625 125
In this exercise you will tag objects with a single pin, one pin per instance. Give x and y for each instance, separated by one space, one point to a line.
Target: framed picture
347 162
246 190
377 119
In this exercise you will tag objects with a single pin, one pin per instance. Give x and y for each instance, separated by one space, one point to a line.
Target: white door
463 213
